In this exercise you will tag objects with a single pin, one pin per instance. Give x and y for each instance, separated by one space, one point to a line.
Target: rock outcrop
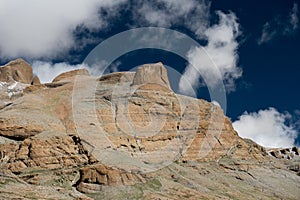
285 153
35 80
69 76
15 76
151 73
127 135
17 70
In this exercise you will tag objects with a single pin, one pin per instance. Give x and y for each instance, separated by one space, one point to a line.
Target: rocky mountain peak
126 138
152 73
18 71
15 76
70 75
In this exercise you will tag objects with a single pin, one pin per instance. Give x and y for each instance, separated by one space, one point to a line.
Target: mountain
127 135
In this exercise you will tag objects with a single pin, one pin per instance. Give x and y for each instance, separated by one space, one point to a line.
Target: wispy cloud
39 29
268 128
222 49
280 26
294 20
267 34
193 14
221 39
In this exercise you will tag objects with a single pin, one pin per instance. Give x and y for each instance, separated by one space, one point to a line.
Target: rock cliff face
127 135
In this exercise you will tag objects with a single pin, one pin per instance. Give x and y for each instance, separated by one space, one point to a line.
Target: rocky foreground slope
126 135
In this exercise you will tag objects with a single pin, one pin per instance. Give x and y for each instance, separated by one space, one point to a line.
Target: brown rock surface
128 136
35 80
70 75
15 77
151 73
17 70
47 151
94 177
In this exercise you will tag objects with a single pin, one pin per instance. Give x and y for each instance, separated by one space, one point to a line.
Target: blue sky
255 45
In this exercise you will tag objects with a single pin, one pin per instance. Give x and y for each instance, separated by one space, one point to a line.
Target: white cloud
280 26
267 128
267 34
222 39
221 49
47 71
193 14
44 29
294 20
36 29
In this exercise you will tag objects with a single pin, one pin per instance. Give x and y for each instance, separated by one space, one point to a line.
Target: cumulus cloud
45 28
280 26
221 50
267 127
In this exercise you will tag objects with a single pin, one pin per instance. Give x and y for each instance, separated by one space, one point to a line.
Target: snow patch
12 89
